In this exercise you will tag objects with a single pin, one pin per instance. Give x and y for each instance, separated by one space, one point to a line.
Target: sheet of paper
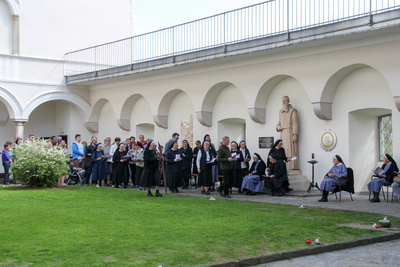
293 158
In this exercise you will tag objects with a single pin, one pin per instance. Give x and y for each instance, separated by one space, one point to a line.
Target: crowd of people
140 164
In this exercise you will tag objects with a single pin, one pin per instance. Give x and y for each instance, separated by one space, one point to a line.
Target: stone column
19 128
15 35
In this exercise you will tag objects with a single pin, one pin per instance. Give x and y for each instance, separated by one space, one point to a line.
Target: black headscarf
258 156
277 142
188 146
18 138
139 144
389 158
339 158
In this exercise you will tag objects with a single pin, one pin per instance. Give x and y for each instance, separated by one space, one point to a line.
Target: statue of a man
288 125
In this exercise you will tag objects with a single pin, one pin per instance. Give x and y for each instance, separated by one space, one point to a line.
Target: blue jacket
76 152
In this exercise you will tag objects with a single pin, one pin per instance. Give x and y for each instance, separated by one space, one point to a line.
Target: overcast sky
151 15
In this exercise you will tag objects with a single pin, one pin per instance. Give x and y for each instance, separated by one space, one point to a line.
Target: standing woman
204 163
88 158
333 178
99 166
187 155
236 168
390 170
106 149
195 151
150 176
174 159
214 166
138 155
120 172
244 160
132 164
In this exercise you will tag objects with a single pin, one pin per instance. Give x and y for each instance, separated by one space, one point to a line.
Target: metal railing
265 19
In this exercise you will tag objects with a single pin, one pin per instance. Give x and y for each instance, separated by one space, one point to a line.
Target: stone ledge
285 255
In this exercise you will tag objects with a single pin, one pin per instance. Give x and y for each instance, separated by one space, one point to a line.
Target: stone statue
288 125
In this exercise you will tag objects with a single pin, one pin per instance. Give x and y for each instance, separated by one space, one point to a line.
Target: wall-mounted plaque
328 140
265 142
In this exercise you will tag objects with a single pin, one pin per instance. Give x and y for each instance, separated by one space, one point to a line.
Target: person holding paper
151 176
244 160
121 173
253 181
99 166
237 168
333 178
390 170
214 167
174 159
204 162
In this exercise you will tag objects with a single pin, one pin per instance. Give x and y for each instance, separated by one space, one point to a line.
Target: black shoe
272 193
203 192
159 194
207 192
248 192
323 200
150 194
252 194
280 193
176 190
375 200
221 194
227 196
212 189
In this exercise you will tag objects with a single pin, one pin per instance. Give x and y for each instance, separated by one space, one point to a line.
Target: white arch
12 104
82 106
15 7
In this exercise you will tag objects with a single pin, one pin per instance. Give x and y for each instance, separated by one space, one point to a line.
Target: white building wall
5 30
49 29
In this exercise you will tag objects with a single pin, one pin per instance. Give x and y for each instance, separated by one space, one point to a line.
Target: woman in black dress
121 172
204 164
279 152
174 159
187 155
150 175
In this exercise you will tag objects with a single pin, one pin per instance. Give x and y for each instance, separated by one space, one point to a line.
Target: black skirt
150 177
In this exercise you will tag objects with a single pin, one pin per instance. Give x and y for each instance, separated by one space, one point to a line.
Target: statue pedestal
298 181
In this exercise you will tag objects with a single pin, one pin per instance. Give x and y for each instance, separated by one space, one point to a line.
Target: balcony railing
261 20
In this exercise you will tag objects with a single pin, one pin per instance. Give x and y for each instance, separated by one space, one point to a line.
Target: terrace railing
261 20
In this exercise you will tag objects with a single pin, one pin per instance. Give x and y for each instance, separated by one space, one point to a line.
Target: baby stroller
75 177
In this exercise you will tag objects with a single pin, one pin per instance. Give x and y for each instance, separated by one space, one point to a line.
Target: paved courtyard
360 201
379 254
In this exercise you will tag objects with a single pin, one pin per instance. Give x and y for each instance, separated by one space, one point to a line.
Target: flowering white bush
39 164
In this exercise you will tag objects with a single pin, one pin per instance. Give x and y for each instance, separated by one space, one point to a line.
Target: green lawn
86 226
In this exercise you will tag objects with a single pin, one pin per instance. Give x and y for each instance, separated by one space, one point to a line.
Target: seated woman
278 150
253 181
277 176
333 178
389 168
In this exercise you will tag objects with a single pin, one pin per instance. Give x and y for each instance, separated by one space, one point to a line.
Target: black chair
383 190
348 186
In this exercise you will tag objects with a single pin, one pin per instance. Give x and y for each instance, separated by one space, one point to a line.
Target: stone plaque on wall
265 142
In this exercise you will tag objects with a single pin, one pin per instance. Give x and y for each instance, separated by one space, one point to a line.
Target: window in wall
385 136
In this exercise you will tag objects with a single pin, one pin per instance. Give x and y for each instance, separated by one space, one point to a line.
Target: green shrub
39 163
